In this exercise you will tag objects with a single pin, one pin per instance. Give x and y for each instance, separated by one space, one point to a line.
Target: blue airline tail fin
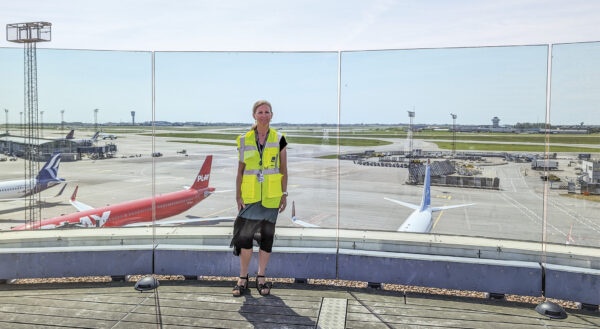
426 202
50 170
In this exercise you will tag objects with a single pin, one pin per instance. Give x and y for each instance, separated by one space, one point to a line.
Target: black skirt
246 230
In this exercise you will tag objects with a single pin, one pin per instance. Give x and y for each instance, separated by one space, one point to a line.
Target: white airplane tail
295 220
420 219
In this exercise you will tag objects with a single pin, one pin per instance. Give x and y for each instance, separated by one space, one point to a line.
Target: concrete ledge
62 262
433 260
485 275
565 282
219 261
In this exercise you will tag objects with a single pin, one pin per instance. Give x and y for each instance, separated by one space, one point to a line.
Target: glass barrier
444 141
207 98
93 160
457 109
572 170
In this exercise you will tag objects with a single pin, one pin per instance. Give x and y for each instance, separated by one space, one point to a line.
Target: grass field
203 142
329 156
592 139
514 147
290 139
595 198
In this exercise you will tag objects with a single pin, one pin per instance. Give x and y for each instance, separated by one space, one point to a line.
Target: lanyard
261 148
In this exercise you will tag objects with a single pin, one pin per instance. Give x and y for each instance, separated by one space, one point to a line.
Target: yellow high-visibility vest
269 191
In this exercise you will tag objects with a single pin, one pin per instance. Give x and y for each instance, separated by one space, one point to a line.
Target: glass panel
85 99
467 104
573 169
204 101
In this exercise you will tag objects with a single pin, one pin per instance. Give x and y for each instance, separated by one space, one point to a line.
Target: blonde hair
255 107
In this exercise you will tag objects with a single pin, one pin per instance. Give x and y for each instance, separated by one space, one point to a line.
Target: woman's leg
245 257
263 260
266 245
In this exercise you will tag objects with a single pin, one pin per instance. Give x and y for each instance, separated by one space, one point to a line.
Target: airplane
108 136
295 219
69 136
136 212
420 220
92 140
46 178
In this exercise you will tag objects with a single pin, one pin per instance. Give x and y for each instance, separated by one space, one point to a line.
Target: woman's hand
240 204
282 203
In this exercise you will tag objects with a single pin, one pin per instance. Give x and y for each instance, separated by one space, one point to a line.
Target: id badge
260 177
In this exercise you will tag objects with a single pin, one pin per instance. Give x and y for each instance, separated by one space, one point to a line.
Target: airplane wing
434 209
303 223
61 191
406 204
179 221
43 198
79 205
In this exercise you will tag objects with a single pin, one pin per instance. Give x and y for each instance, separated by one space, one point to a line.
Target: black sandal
261 286
241 288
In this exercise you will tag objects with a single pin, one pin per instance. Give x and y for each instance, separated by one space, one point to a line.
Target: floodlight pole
96 120
29 34
453 134
62 120
411 116
42 124
6 118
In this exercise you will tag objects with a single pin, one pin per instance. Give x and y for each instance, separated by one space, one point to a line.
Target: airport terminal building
72 150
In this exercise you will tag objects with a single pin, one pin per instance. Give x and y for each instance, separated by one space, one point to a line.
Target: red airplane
136 212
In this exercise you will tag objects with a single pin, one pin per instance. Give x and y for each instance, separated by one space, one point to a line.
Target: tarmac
514 212
210 304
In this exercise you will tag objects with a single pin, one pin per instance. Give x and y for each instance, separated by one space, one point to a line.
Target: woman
261 193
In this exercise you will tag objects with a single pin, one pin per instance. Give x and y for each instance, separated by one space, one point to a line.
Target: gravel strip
334 283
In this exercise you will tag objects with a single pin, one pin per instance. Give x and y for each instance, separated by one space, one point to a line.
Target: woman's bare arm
284 178
238 186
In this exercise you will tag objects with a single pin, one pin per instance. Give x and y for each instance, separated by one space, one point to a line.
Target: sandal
240 288
262 286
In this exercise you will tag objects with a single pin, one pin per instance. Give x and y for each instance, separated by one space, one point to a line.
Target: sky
213 59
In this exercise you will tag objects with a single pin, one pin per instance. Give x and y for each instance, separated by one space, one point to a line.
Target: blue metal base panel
575 286
220 263
85 263
439 274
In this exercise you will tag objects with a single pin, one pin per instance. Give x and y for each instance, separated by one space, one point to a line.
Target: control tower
495 122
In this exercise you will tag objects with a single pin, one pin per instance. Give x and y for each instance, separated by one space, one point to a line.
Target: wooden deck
209 304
